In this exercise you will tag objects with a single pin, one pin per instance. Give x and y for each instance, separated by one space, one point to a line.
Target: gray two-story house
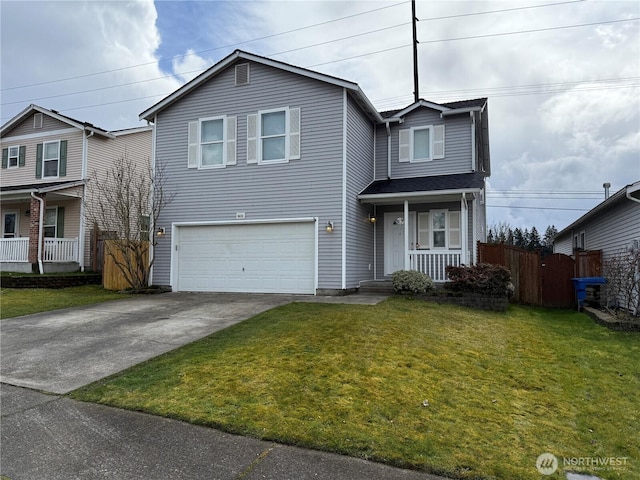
290 181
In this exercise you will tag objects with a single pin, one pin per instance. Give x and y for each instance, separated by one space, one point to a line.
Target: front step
377 287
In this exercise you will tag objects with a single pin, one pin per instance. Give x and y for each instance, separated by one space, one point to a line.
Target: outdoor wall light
398 221
329 227
373 219
160 232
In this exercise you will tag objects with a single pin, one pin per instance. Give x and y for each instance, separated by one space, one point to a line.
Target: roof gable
31 109
214 70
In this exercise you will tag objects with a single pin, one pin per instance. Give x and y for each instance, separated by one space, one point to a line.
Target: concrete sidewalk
47 437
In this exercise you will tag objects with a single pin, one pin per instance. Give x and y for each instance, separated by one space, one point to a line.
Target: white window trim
55 224
412 158
17 157
426 231
223 141
287 135
45 160
445 229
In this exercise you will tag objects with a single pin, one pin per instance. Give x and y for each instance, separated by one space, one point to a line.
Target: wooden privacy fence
538 281
112 277
524 266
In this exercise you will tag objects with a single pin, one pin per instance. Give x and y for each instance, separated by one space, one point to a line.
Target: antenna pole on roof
414 21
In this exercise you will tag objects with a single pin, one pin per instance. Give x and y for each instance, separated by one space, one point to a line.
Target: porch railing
434 264
55 250
14 249
60 250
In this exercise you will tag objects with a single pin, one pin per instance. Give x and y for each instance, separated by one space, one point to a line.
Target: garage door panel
265 258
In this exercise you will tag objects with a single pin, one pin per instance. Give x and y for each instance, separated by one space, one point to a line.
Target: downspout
41 220
83 226
388 150
473 141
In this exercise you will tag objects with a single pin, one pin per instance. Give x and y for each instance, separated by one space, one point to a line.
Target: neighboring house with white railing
291 181
47 161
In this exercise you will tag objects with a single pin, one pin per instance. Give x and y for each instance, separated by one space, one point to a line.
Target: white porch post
464 228
406 235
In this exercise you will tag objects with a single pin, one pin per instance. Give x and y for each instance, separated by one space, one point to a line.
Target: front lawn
15 302
438 388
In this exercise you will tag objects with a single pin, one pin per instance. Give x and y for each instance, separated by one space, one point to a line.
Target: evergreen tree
490 238
534 239
518 238
549 234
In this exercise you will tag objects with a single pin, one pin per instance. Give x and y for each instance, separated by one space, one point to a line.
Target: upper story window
13 157
273 136
212 142
51 159
212 139
421 144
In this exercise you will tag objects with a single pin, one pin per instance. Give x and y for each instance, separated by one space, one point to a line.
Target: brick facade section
34 228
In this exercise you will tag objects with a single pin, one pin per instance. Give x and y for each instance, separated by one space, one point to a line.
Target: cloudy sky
562 77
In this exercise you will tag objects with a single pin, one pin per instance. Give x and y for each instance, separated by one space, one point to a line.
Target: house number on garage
240 216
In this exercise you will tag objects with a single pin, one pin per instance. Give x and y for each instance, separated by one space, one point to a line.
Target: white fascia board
238 54
458 111
129 131
419 103
61 187
404 195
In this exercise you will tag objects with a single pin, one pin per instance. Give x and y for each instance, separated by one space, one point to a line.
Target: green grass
502 388
15 302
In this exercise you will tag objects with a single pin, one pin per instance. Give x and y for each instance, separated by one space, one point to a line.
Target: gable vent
242 74
37 120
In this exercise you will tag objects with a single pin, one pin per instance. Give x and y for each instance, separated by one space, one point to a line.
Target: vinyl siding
611 231
27 175
308 187
359 245
457 146
102 152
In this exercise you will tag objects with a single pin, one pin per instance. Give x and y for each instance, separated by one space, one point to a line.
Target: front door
10 225
394 243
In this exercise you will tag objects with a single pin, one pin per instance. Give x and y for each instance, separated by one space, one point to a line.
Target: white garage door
257 258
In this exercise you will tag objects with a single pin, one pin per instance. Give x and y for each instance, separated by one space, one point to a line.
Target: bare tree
622 271
126 201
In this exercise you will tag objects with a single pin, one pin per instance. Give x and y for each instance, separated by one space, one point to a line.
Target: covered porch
424 230
42 228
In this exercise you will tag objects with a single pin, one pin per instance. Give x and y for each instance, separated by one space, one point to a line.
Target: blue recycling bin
580 284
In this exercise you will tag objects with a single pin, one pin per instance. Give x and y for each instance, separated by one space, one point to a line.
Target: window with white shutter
421 144
273 136
423 231
455 239
212 142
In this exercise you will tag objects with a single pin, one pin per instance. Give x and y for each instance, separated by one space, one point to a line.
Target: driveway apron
63 350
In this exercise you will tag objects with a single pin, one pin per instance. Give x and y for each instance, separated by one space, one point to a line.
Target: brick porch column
34 230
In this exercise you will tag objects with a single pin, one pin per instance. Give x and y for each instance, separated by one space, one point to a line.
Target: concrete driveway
63 350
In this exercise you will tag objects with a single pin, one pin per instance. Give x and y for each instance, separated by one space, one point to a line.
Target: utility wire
175 57
284 33
540 208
